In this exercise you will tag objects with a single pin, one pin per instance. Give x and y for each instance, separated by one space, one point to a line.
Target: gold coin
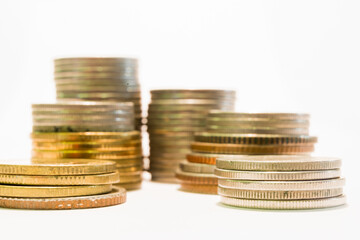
280 195
87 136
115 197
258 139
198 188
257 130
71 167
203 158
285 204
130 178
193 93
83 106
135 168
130 186
114 146
248 149
52 191
161 179
196 178
67 180
101 155
282 185
277 163
278 176
197 167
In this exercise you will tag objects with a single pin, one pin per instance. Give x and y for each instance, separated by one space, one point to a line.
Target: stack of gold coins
99 79
245 134
83 130
280 182
66 185
173 117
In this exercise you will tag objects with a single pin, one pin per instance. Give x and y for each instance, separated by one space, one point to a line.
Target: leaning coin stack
89 130
244 134
280 182
173 117
67 185
99 79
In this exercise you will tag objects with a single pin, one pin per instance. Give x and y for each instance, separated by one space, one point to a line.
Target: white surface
291 56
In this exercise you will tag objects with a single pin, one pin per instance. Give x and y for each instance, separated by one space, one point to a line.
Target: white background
290 56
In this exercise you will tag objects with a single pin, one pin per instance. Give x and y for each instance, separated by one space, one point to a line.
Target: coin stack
243 134
173 117
280 182
69 185
99 79
89 130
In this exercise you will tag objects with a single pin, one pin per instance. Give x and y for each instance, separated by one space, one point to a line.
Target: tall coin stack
99 79
280 182
242 134
173 117
89 130
84 184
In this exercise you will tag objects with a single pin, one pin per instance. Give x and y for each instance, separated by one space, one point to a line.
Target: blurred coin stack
280 182
173 117
67 185
89 130
99 79
244 134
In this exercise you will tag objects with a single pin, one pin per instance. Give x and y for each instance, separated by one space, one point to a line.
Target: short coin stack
83 184
245 134
173 117
89 130
280 182
99 79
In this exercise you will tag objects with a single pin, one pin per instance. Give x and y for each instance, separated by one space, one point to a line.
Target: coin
100 155
185 93
257 130
89 146
107 178
259 139
286 204
247 149
130 177
52 191
277 163
280 195
70 167
196 178
278 176
203 158
130 186
282 185
197 168
272 116
88 136
115 197
199 188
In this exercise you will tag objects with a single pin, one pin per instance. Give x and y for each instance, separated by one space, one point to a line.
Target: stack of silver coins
99 79
280 182
173 117
243 134
92 131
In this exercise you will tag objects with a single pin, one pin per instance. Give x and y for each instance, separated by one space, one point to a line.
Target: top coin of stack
83 117
173 117
99 79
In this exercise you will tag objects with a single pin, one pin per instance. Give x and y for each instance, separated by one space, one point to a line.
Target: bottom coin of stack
79 184
195 177
280 182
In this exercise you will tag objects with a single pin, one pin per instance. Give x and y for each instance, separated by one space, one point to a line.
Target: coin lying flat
282 185
87 136
248 149
198 188
203 158
115 197
70 167
196 178
280 195
278 176
129 185
258 139
52 191
277 163
197 168
272 116
108 178
281 204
